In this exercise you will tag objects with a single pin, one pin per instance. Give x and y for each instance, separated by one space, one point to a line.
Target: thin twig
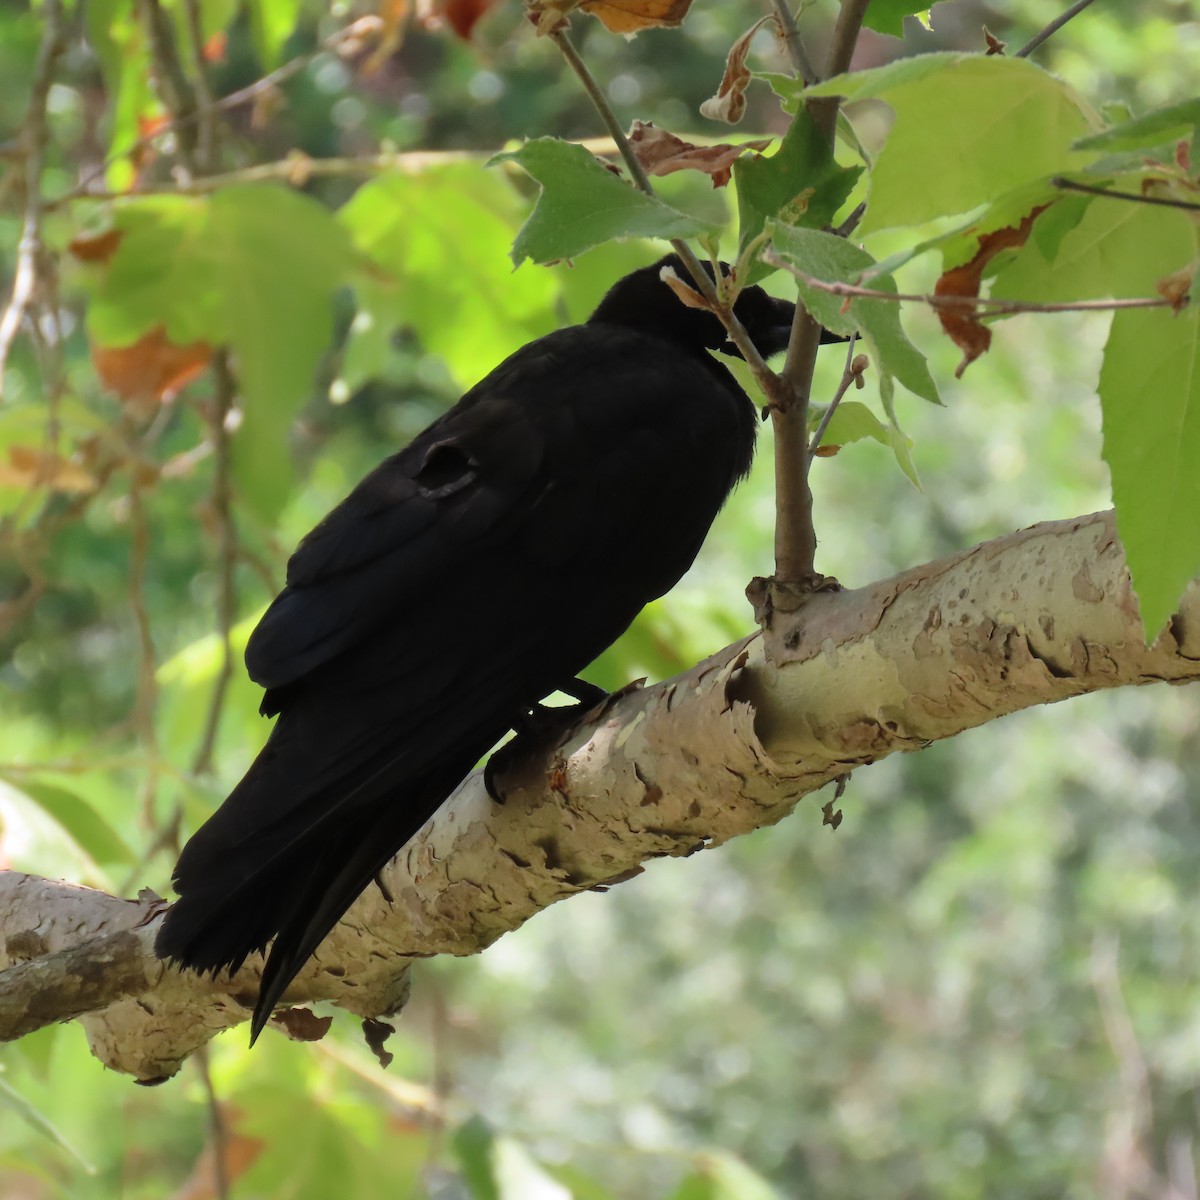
795 533
206 114
296 169
849 375
1069 185
146 698
175 89
793 43
216 1124
363 28
1051 29
33 143
603 108
963 304
764 376
227 556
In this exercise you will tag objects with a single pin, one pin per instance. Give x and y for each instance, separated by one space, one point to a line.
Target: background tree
983 985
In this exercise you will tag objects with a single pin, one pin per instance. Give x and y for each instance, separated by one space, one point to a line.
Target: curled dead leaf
1176 288
686 293
661 153
729 104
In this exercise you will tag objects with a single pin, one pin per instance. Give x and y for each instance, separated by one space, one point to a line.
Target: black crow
460 583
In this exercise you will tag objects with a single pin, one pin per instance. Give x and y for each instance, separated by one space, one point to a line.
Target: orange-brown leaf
151 369
617 16
462 15
661 153
962 325
729 104
29 466
95 247
216 46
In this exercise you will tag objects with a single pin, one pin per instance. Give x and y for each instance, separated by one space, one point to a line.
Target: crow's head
642 300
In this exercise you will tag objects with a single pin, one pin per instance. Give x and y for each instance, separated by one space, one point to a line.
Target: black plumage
461 582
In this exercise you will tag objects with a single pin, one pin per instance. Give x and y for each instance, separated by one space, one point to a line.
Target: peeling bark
732 745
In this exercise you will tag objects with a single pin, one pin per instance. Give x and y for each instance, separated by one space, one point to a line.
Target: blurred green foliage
983 984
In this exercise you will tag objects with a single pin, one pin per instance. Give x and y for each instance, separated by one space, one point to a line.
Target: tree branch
732 745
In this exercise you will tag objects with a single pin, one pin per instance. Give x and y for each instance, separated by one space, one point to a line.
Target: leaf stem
793 43
849 375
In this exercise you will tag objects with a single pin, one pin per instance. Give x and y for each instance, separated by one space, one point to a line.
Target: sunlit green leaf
832 259
1001 122
1150 397
1151 129
583 205
254 268
90 831
18 1105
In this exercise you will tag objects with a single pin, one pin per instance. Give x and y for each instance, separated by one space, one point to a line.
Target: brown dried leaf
1176 288
686 293
661 153
462 15
617 16
28 466
729 104
962 325
302 1024
376 1033
95 247
150 370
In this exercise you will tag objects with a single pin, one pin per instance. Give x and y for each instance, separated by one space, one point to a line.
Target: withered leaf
151 369
617 16
962 325
729 104
661 153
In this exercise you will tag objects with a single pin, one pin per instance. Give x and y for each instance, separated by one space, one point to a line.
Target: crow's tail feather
290 885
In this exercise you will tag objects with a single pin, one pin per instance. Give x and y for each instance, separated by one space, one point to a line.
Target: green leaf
1117 249
832 259
473 1144
11 1099
852 422
442 232
720 1176
967 128
283 256
119 42
800 184
519 1177
1151 129
583 205
1150 398
272 23
254 268
887 16
87 828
